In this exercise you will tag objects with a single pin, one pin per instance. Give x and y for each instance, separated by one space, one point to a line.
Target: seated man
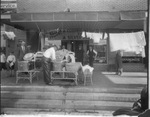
11 59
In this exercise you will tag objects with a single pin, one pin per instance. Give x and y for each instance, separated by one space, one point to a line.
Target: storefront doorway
73 45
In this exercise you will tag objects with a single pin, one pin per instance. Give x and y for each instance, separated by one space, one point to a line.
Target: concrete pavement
108 93
100 79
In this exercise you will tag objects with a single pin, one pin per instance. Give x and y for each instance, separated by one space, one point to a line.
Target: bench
64 75
30 74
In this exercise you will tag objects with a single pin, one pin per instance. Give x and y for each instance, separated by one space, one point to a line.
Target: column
149 52
42 38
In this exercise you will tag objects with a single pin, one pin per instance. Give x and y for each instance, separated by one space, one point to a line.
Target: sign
132 59
65 36
56 42
8 0
9 6
74 37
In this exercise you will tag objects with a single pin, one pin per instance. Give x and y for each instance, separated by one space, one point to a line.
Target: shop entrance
73 45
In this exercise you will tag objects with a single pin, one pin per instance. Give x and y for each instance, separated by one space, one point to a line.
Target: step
102 97
35 103
28 111
69 96
72 89
66 100
96 105
32 95
63 104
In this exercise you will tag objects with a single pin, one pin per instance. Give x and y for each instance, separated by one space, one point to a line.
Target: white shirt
50 53
3 58
23 48
11 58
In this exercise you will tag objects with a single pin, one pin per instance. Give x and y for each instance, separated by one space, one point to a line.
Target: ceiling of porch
79 25
84 21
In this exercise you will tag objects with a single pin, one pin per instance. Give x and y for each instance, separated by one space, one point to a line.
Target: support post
148 53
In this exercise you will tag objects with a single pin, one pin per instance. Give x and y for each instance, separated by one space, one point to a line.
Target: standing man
91 55
22 51
48 57
80 54
64 51
119 66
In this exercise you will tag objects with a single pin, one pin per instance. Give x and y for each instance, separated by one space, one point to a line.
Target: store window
132 57
100 45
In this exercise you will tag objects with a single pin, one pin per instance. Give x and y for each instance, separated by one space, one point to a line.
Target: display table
30 74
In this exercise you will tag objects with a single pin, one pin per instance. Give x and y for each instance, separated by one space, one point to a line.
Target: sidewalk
108 93
100 79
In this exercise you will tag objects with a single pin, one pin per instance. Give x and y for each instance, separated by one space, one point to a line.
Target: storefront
66 27
105 60
133 53
73 39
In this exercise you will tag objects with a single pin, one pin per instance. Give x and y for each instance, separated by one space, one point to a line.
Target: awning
140 15
78 16
65 16
84 21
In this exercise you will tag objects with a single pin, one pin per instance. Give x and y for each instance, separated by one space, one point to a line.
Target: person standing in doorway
64 51
48 57
91 53
22 51
119 67
80 54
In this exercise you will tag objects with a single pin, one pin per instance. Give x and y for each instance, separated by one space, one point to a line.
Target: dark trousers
10 67
2 66
91 60
47 68
119 67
